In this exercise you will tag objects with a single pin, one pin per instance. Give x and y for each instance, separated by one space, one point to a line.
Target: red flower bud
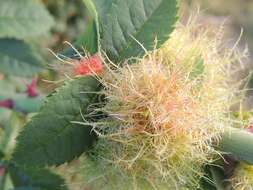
31 90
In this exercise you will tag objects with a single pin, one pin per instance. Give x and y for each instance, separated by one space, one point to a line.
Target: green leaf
214 178
36 179
23 19
50 138
122 22
18 58
218 177
88 40
239 143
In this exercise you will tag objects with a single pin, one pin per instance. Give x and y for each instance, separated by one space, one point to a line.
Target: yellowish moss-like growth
243 177
166 111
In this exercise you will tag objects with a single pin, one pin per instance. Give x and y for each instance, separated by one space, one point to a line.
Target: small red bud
89 66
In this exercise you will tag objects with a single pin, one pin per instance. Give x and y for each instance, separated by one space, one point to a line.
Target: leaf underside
51 138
